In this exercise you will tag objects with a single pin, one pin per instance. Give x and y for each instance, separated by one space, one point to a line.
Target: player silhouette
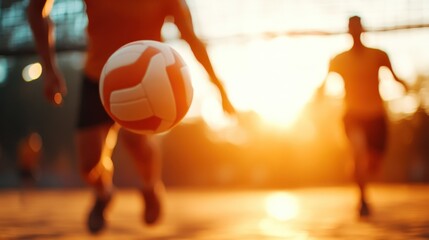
365 119
111 24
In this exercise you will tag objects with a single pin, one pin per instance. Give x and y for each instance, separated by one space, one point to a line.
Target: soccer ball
145 87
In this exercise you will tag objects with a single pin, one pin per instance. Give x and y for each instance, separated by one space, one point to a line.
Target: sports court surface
400 212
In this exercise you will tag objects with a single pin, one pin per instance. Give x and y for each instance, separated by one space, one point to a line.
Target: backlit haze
276 75
280 137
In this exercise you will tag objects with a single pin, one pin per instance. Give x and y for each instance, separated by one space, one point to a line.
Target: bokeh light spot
282 206
3 71
58 98
35 142
32 72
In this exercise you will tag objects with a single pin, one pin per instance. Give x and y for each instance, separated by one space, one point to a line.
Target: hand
55 87
226 103
227 106
406 87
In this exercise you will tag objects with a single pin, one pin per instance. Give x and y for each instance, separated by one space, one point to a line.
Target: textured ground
399 212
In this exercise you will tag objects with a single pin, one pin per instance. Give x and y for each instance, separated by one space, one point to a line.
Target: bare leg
361 163
146 155
361 177
95 146
375 161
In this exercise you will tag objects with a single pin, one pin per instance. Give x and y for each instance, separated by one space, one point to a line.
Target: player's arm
388 64
183 21
42 28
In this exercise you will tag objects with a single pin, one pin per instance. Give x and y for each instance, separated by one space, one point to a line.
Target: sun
274 78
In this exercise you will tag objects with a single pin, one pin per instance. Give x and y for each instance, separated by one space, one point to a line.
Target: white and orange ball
145 87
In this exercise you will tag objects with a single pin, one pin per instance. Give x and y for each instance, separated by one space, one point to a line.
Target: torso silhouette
359 69
113 23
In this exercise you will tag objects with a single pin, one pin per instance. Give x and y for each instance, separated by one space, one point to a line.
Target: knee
94 159
87 170
89 159
138 144
132 140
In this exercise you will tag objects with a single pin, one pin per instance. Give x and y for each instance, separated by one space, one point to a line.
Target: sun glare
389 89
275 78
282 206
335 86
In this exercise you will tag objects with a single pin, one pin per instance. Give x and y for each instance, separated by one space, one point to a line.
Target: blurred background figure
365 120
29 152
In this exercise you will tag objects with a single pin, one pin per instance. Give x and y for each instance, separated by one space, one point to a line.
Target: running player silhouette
365 120
111 24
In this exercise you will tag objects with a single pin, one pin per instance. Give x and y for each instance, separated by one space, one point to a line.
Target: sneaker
152 210
96 220
364 210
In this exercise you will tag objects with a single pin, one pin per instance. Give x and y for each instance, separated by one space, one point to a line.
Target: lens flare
32 72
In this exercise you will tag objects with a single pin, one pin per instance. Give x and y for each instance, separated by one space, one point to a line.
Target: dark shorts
27 174
91 110
374 129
